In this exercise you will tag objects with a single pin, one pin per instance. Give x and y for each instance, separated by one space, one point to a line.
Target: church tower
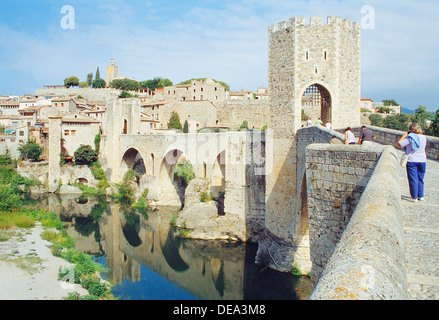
112 72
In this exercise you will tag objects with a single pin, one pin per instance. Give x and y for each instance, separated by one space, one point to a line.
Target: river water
146 260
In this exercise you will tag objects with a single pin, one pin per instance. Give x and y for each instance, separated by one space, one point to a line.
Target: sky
41 44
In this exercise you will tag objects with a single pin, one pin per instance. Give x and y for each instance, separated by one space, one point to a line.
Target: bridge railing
390 137
368 262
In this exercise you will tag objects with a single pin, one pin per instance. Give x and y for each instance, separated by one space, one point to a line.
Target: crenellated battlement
314 21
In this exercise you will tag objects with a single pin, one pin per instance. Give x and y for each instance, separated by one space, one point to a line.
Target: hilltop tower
112 72
314 67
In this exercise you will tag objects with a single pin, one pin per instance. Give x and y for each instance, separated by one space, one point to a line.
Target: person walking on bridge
414 143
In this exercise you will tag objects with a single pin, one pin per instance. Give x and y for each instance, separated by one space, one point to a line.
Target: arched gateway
316 102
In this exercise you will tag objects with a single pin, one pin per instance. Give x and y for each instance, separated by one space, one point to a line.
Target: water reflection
133 245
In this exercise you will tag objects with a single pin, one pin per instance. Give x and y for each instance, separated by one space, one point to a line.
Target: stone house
195 91
9 107
64 105
148 125
78 129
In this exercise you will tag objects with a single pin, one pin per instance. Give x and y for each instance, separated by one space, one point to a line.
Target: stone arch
132 159
218 176
171 191
218 180
82 180
131 231
316 101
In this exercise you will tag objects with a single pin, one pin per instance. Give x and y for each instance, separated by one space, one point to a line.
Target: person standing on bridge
414 143
349 137
366 135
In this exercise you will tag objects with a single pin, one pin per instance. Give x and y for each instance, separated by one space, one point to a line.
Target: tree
185 127
383 110
89 79
376 120
85 155
397 122
433 130
421 116
126 189
83 84
30 150
225 85
98 75
72 81
125 94
125 84
390 102
174 121
99 83
155 83
244 124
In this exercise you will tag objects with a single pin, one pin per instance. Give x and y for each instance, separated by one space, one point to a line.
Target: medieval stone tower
112 72
314 67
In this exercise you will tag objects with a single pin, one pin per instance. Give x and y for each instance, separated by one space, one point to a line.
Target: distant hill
407 111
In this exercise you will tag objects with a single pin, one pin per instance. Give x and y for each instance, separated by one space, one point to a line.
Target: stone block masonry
368 262
324 61
336 177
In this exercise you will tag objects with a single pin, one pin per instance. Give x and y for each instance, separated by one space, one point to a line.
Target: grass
295 270
5 235
10 220
86 272
14 216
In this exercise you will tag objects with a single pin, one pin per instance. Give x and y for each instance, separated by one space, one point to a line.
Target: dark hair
348 129
363 127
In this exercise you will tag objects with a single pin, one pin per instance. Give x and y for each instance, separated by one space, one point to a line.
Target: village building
196 90
78 129
198 113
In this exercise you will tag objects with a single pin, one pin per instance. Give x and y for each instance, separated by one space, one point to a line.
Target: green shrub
30 150
295 270
58 237
85 155
174 121
126 189
185 171
93 284
6 159
205 197
9 201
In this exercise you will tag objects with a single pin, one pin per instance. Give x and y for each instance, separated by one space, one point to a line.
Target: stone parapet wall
391 137
368 262
336 177
92 94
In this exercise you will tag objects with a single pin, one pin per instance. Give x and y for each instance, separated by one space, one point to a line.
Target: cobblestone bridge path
421 235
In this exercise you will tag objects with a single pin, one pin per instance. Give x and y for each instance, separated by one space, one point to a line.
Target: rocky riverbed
29 271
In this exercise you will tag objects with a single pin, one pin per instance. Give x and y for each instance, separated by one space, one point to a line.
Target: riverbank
29 270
